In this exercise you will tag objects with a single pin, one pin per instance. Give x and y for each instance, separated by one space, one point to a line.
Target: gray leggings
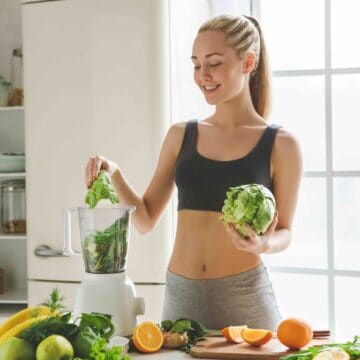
246 298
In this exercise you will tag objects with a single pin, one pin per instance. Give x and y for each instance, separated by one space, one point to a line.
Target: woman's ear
249 62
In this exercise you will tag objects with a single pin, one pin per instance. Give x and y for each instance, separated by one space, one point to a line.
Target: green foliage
251 204
194 330
351 347
105 251
54 301
100 351
101 189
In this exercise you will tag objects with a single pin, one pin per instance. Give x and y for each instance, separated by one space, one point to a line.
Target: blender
105 288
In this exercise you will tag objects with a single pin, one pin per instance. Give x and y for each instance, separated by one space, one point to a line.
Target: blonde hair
244 34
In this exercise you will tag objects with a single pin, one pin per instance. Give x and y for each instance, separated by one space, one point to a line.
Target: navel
204 268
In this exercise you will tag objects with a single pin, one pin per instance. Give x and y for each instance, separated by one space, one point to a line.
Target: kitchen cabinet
12 246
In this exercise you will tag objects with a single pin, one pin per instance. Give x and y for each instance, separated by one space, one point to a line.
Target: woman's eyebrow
207 55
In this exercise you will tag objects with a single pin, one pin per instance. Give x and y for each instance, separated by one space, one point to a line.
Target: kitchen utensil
105 288
12 162
219 348
13 206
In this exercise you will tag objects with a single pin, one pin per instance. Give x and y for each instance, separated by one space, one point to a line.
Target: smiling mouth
210 88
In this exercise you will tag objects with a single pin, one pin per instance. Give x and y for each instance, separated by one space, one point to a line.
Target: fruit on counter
55 347
147 337
294 333
256 337
19 328
24 315
332 354
16 349
252 204
233 333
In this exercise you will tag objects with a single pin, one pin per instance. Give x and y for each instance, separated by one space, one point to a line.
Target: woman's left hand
256 244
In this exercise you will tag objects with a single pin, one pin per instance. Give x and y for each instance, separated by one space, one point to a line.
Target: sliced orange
147 337
233 333
256 337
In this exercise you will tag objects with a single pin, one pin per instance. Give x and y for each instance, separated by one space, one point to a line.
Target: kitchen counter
161 355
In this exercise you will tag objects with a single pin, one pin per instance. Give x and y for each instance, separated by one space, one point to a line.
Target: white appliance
96 81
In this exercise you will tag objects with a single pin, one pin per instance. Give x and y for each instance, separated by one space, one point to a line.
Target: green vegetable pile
105 251
88 335
101 189
351 347
251 204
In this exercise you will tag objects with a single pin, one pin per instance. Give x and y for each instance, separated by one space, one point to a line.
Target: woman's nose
205 73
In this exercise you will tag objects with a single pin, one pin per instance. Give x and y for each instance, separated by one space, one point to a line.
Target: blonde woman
214 275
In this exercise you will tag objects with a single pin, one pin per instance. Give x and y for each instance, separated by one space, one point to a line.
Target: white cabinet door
95 82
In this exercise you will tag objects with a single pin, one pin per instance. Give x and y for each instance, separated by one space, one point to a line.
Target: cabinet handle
47 251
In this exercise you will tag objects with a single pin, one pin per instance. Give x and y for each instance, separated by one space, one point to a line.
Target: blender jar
104 238
13 206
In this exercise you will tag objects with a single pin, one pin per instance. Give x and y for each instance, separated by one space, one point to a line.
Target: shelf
12 236
11 108
14 296
12 174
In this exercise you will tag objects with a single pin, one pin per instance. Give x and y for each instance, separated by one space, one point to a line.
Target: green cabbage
251 204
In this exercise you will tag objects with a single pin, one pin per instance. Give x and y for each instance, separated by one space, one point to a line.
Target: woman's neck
236 112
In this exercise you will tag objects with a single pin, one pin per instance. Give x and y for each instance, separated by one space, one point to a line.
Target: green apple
16 349
55 347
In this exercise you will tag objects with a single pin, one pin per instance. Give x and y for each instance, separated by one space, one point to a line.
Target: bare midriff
203 249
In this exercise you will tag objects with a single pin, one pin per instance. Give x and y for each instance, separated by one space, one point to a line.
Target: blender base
112 294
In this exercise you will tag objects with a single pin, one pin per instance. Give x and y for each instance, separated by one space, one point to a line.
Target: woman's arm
287 164
151 204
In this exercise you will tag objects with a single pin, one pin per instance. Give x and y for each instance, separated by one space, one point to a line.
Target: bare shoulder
286 147
175 137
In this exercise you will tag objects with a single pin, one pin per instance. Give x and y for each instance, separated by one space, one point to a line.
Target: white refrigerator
96 81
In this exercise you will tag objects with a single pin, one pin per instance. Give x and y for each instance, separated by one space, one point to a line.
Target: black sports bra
202 182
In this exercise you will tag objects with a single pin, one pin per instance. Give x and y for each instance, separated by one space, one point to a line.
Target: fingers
273 225
93 167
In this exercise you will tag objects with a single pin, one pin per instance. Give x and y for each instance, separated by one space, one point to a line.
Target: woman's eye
196 67
213 65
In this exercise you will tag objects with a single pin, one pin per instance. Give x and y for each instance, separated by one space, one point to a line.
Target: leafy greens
251 204
101 189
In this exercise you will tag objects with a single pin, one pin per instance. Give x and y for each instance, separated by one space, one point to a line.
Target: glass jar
13 206
4 92
17 93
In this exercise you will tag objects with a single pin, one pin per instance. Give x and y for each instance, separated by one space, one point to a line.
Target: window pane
308 247
346 220
294 33
347 316
345 102
299 107
306 300
345 27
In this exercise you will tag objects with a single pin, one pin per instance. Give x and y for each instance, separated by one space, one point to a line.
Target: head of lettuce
251 204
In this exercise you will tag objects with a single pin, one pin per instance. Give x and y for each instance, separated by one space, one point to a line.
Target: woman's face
220 74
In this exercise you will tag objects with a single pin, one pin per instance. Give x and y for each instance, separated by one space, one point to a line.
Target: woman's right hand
94 165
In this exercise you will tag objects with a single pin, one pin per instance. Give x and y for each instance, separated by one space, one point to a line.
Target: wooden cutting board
219 348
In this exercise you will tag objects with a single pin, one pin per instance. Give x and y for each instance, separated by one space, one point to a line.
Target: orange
294 333
147 337
256 337
233 333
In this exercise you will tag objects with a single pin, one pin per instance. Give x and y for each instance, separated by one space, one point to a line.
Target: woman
214 275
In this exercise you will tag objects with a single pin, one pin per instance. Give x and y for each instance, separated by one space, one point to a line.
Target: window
316 85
